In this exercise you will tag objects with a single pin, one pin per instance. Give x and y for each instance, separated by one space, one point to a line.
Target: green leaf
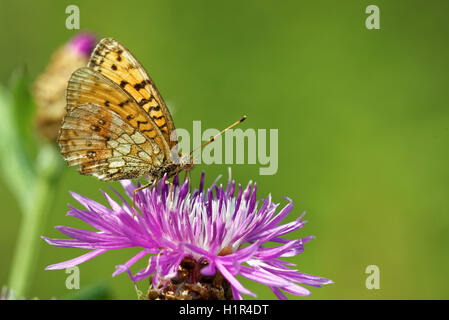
23 109
15 164
98 291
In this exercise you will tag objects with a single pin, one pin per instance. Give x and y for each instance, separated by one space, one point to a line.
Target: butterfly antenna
212 139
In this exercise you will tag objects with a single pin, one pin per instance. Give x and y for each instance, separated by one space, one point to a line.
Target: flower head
201 239
49 88
83 44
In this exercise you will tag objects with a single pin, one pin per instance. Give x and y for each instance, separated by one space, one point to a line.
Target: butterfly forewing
114 61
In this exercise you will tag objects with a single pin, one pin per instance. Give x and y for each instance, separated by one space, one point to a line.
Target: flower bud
49 88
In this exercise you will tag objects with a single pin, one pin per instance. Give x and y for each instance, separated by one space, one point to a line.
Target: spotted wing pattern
114 61
106 132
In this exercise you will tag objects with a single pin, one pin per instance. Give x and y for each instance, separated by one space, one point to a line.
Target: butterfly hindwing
88 86
96 138
106 133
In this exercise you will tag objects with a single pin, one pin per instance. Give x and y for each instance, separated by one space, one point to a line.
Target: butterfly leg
138 189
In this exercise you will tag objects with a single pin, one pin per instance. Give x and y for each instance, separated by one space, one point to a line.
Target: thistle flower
49 88
198 241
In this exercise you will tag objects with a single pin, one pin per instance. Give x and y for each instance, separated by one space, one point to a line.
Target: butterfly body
170 169
117 125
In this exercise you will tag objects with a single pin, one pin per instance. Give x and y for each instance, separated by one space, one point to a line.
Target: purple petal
233 281
278 293
76 261
130 262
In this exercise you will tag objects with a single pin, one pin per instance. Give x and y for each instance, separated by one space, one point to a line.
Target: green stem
32 226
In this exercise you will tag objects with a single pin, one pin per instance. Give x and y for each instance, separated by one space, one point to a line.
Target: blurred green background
363 123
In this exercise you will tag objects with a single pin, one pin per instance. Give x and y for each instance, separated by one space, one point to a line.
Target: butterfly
117 126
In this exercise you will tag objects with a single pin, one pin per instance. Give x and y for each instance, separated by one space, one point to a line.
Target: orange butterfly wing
114 61
106 132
